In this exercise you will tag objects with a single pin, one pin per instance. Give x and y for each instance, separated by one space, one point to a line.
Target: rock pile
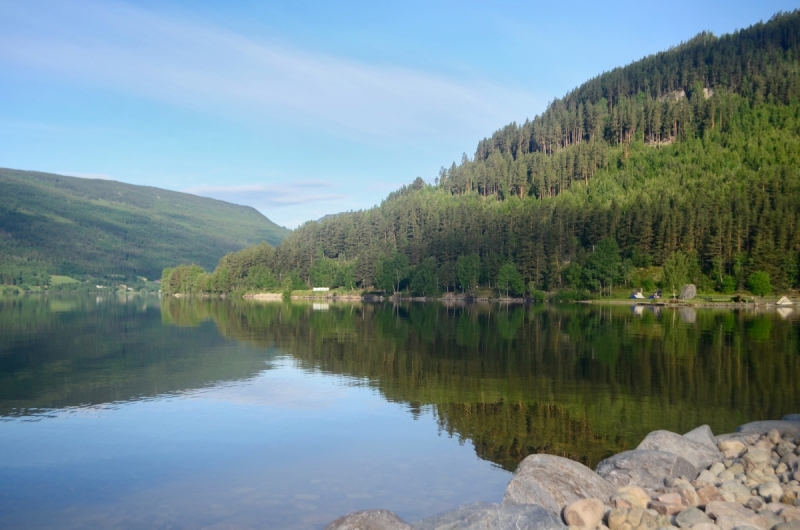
747 480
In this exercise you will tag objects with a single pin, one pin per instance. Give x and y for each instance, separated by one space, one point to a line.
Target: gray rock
644 468
784 427
369 520
688 292
771 491
788 525
553 482
733 511
703 435
771 519
739 490
791 417
785 448
696 453
690 517
755 458
490 516
747 438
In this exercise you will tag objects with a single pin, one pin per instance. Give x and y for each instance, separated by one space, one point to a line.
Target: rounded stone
690 517
755 458
774 436
770 491
584 514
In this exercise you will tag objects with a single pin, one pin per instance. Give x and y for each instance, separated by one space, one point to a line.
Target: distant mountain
75 226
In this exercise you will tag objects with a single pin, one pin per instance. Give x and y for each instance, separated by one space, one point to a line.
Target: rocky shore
746 480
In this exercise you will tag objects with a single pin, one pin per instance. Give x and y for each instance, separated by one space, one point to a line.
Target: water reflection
578 381
58 353
190 413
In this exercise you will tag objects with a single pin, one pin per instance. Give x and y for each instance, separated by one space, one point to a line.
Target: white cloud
216 70
268 196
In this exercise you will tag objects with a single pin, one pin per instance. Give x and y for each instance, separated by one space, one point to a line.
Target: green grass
75 227
62 280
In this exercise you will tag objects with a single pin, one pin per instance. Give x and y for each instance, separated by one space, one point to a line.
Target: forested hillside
52 224
688 160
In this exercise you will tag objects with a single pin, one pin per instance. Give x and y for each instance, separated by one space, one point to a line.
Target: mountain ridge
76 226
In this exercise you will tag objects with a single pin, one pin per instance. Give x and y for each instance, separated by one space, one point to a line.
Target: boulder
688 292
644 468
369 520
584 514
696 453
491 516
784 427
703 435
553 482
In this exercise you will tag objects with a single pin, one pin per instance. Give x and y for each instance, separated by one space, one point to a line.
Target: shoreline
516 301
745 480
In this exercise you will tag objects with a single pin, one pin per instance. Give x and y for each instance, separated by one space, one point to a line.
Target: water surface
141 413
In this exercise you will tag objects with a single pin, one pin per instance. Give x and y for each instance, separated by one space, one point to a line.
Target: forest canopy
680 167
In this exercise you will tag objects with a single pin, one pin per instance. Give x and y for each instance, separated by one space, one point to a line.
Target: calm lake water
148 413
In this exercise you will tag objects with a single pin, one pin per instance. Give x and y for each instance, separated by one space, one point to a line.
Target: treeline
680 167
23 273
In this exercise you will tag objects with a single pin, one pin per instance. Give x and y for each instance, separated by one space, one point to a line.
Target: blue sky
304 108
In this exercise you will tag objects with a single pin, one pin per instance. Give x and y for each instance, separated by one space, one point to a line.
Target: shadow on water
579 381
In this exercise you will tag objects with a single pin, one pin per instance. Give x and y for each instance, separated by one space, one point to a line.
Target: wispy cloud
269 196
171 59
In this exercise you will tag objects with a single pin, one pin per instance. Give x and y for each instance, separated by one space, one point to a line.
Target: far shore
700 301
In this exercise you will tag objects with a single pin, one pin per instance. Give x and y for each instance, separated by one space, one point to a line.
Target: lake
145 413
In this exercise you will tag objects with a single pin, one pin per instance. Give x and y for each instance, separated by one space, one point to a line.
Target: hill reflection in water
579 381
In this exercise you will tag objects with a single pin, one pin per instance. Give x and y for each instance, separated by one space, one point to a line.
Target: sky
305 108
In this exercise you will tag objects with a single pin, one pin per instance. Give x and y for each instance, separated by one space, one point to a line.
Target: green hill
680 167
53 224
